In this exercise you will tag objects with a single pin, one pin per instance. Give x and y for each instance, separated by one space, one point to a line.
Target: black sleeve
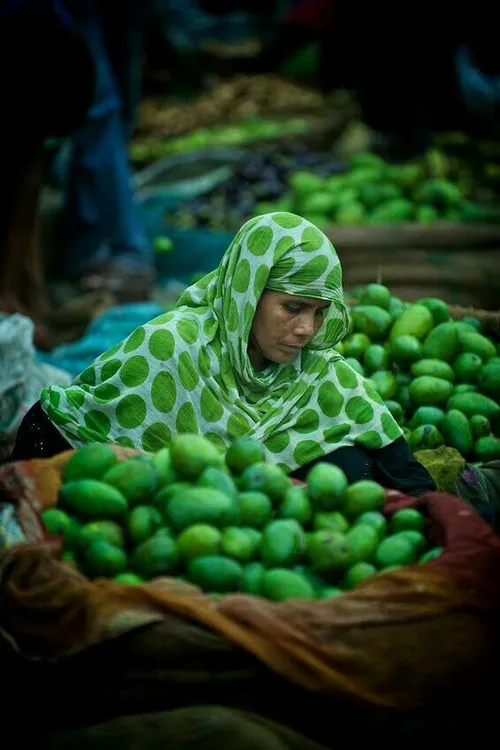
395 467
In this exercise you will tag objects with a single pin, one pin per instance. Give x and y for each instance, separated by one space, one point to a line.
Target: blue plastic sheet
194 250
105 331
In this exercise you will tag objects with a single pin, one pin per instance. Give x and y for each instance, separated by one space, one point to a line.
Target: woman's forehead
299 299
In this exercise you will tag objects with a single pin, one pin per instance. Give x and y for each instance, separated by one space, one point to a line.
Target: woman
249 350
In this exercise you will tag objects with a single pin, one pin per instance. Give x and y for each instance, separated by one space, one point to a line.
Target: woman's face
282 326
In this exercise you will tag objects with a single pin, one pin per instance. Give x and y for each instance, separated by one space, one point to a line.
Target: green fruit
435 367
329 552
487 448
373 321
415 321
158 556
375 519
255 537
143 521
237 544
432 554
350 214
71 536
416 538
406 519
90 498
281 585
392 211
136 480
215 573
242 453
480 426
489 379
161 499
89 462
199 540
403 397
283 543
395 409
253 577
107 531
129 579
103 560
425 437
363 541
218 480
358 573
478 344
405 349
376 294
438 309
191 454
467 366
363 496
427 390
328 592
385 384
326 486
427 415
56 521
255 509
316 581
442 342
474 403
356 345
296 504
163 465
474 322
200 505
464 388
395 550
267 478
456 431
331 521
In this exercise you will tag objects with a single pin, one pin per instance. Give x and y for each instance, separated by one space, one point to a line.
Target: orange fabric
397 641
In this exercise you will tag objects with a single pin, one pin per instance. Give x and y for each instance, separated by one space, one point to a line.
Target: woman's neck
256 357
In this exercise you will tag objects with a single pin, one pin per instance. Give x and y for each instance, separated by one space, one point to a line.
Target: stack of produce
247 131
373 192
320 188
440 378
228 523
237 99
262 178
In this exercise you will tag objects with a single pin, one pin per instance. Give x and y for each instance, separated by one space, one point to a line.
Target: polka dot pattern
188 370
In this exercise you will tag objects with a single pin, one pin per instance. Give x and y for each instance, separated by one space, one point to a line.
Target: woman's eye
294 309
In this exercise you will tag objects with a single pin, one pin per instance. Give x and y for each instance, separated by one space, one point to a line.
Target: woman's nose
305 325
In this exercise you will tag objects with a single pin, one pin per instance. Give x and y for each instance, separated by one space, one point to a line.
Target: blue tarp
104 332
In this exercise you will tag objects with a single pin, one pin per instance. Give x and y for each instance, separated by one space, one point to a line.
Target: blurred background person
102 241
42 97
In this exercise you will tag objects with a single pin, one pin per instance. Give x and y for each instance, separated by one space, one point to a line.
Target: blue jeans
101 220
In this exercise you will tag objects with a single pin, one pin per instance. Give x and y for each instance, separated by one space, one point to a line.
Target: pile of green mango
228 522
252 129
440 378
374 192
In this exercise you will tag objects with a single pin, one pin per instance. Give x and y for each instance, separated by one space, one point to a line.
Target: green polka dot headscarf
188 370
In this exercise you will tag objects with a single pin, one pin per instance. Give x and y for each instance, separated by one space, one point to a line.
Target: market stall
440 210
